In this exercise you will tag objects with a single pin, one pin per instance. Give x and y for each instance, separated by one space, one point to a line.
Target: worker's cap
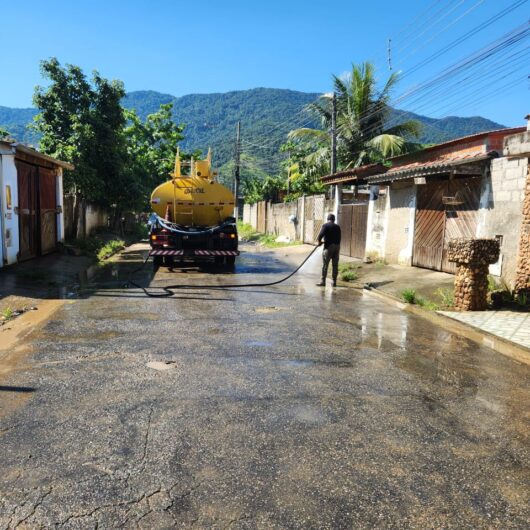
331 217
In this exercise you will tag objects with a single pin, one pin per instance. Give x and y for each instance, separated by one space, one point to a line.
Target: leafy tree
81 122
363 112
307 162
151 149
4 134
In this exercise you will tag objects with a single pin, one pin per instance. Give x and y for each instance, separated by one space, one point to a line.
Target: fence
297 220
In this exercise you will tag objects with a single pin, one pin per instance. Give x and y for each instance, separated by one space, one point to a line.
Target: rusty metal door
27 178
429 227
461 219
47 210
353 221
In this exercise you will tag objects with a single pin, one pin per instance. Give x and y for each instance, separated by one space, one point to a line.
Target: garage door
437 223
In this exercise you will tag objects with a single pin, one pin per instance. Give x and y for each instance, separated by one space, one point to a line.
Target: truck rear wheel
230 260
157 261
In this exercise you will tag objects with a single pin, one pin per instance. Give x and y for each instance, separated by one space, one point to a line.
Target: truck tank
193 199
193 217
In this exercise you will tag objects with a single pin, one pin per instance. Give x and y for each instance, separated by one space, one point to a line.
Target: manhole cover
162 365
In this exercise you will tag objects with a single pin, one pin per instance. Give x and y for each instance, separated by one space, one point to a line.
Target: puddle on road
304 363
258 343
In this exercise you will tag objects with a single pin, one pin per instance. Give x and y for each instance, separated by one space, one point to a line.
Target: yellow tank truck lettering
188 191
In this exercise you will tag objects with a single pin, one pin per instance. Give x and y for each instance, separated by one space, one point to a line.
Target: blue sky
204 46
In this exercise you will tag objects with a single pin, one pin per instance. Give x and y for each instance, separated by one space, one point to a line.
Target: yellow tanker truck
193 216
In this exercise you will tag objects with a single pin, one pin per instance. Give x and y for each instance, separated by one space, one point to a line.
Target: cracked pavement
284 407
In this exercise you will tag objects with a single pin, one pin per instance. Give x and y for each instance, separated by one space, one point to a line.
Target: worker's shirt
330 233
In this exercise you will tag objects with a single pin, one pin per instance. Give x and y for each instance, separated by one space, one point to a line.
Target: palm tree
363 112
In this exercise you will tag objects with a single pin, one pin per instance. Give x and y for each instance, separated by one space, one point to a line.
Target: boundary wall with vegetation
288 219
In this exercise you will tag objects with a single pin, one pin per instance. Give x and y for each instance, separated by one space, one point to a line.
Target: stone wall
522 279
400 223
501 211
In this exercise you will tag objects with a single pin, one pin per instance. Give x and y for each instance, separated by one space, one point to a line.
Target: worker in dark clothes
330 233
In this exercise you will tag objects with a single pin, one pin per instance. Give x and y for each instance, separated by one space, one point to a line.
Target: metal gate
27 210
437 224
314 213
37 210
353 221
47 210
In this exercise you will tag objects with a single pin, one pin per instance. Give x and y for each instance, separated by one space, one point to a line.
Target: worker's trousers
330 254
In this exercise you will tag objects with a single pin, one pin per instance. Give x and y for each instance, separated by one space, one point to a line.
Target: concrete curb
481 337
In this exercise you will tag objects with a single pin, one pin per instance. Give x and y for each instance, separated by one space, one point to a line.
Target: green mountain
266 116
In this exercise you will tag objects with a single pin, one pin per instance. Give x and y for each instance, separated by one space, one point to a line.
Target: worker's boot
321 284
334 283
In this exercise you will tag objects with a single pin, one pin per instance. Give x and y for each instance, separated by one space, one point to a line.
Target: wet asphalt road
285 407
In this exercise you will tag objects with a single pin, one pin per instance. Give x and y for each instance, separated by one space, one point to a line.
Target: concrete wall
250 214
96 217
400 217
500 211
278 219
9 225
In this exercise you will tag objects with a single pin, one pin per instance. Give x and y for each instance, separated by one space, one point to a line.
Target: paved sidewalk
510 325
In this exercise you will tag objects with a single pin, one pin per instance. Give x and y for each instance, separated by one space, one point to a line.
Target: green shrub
409 296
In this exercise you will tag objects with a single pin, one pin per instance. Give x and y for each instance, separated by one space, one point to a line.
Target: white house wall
10 235
399 236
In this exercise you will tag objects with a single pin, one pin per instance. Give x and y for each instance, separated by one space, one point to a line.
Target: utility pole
338 187
237 176
334 133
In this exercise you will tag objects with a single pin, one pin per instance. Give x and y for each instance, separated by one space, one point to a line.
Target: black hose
170 288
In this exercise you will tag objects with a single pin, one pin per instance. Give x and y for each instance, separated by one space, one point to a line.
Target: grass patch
247 232
349 272
446 296
110 248
349 276
409 296
97 248
427 304
269 241
7 313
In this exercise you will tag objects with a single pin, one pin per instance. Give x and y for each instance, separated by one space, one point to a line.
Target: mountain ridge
266 114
